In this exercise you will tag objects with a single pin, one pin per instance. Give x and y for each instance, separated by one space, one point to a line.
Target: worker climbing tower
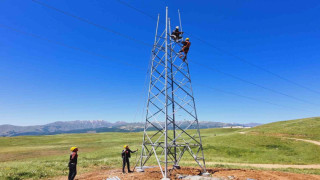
171 126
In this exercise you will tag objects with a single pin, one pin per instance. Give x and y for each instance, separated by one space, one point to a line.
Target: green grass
307 128
38 157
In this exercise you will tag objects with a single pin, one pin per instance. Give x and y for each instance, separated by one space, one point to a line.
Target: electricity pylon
171 126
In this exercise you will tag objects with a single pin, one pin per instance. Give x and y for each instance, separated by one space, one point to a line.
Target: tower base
139 169
206 174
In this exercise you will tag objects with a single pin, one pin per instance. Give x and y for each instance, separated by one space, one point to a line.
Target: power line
136 9
68 46
92 23
256 66
146 44
250 98
231 54
255 84
127 64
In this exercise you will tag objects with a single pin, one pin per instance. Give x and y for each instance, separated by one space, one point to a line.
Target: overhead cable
127 64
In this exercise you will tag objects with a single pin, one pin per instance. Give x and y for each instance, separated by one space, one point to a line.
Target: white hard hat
177 27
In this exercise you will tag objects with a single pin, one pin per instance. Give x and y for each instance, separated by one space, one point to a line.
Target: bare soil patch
237 174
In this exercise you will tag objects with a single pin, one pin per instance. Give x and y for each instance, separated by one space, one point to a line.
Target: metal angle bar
155 135
157 46
160 91
198 130
186 102
179 105
157 129
187 134
155 114
181 72
157 95
155 153
180 86
157 56
160 62
160 35
160 47
157 77
161 75
195 158
145 128
193 137
155 126
185 130
155 69
177 110
150 140
149 155
159 72
184 90
186 111
154 83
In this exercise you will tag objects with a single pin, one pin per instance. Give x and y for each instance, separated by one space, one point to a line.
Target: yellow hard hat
187 39
125 146
73 148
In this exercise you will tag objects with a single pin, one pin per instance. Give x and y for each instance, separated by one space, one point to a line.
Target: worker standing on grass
125 157
185 48
73 163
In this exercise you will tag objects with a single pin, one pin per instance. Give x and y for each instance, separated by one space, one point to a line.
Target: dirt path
306 140
235 174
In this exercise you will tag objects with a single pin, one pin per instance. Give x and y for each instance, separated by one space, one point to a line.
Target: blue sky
42 82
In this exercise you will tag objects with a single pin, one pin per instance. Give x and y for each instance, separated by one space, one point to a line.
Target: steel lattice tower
171 127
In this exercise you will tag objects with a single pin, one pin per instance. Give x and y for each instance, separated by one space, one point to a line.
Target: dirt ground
236 174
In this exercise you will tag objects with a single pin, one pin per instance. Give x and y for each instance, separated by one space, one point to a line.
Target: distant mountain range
96 126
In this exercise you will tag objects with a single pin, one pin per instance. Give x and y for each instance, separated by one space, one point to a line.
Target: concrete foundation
206 174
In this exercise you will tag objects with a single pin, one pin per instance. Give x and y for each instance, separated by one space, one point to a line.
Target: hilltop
308 128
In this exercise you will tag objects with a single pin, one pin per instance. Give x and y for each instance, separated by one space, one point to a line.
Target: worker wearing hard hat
126 154
175 35
73 163
185 48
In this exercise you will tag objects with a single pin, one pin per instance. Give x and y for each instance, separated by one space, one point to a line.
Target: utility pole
171 124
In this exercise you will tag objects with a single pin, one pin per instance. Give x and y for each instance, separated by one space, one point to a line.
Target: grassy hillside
47 156
308 128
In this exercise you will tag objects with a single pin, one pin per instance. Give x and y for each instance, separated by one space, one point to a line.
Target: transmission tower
171 126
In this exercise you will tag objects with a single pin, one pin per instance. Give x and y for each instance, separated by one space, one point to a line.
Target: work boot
184 59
